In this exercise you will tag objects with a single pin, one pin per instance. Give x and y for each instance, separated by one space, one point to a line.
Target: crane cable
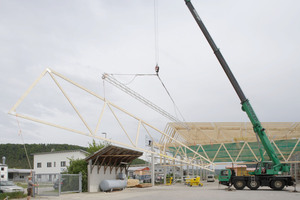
156 41
20 134
156 49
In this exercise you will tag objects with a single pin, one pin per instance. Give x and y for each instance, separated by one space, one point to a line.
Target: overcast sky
83 39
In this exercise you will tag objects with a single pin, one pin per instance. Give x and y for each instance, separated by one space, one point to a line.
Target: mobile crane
273 174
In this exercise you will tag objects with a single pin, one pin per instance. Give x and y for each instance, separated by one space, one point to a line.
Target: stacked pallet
132 182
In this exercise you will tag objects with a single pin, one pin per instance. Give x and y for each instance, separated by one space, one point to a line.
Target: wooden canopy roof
113 157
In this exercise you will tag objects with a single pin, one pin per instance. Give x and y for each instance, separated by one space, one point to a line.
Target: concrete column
89 174
165 171
174 170
193 171
181 172
152 164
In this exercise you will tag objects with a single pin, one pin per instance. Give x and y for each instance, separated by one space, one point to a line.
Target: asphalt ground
180 191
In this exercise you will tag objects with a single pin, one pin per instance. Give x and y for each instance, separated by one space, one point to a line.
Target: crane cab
225 176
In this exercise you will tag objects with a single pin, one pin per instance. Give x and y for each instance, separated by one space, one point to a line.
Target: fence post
59 184
80 182
34 181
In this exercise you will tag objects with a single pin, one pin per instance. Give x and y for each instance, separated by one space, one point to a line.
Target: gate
56 184
71 183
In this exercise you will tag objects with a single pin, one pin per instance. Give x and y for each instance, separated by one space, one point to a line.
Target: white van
210 178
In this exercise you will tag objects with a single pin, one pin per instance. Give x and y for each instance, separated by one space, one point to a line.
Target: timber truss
233 141
193 158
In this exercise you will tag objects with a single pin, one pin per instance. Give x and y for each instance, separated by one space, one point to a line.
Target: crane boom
246 106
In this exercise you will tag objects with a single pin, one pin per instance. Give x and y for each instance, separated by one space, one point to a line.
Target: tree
80 165
94 147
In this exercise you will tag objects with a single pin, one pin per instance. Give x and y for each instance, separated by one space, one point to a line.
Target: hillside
16 156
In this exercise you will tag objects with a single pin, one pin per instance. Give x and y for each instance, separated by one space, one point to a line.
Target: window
39 176
39 165
54 164
21 177
63 163
49 164
2 176
2 168
224 173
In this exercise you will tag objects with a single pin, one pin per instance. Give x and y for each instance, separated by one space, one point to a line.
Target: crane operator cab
225 176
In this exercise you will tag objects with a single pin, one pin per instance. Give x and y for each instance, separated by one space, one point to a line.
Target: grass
15 195
23 185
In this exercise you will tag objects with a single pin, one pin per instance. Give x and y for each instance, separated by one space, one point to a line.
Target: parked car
9 186
210 178
56 183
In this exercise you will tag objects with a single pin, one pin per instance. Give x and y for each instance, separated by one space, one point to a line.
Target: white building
19 175
55 162
3 172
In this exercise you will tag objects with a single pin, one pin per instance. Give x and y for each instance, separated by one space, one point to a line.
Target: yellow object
193 182
169 181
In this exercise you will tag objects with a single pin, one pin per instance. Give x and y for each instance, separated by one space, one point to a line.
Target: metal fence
56 184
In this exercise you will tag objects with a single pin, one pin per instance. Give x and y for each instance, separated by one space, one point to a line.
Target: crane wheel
253 184
277 184
239 184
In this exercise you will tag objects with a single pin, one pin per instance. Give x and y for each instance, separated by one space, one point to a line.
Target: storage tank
110 185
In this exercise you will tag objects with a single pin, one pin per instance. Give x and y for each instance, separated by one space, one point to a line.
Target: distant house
141 173
55 162
3 172
19 175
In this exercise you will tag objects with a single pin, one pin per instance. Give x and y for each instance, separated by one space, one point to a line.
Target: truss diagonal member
252 151
293 149
74 107
13 109
237 157
142 99
121 125
278 150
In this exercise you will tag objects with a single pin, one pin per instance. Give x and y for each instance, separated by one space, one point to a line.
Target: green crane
275 174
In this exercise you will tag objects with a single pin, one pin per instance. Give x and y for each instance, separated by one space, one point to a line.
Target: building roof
138 168
113 156
65 151
19 170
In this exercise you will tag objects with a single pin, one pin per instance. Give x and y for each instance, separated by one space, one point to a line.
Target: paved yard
179 191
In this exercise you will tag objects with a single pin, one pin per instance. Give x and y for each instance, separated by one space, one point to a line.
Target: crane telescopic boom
246 106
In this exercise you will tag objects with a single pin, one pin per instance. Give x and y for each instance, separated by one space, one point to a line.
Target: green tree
80 165
94 147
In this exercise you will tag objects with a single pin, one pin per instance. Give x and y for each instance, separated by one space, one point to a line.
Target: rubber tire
239 185
277 184
253 185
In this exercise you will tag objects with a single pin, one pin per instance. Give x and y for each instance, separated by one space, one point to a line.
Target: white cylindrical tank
110 185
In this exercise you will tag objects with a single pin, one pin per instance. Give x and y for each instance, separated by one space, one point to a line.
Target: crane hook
157 69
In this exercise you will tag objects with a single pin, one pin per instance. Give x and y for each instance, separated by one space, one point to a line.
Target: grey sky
83 39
